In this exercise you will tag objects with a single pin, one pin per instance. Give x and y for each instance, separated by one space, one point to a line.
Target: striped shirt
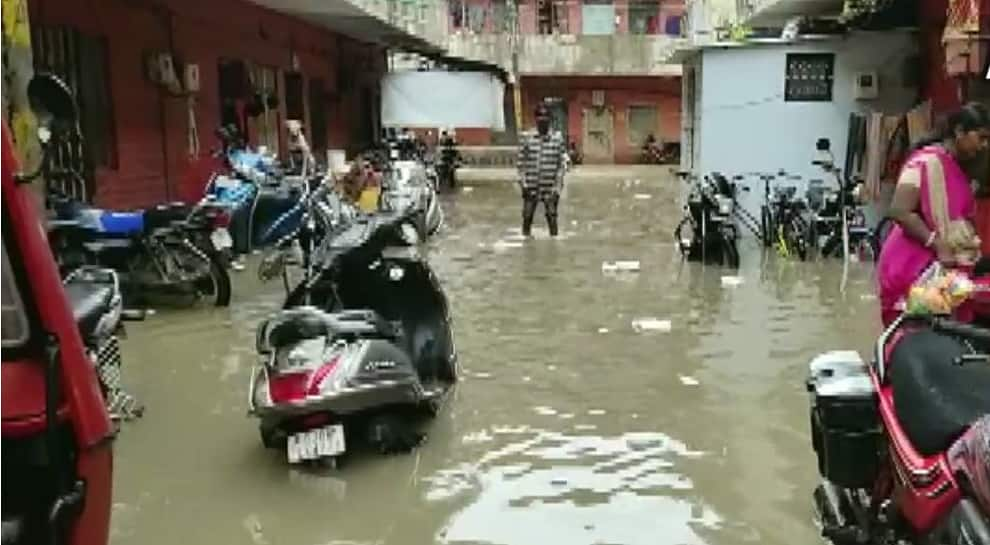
541 161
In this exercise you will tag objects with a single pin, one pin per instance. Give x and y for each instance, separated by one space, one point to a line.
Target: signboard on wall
443 99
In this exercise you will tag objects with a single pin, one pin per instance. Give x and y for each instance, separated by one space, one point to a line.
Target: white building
761 105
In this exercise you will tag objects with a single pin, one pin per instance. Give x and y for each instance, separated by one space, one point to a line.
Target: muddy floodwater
570 427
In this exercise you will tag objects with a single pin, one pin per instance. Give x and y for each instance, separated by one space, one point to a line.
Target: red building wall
150 126
620 93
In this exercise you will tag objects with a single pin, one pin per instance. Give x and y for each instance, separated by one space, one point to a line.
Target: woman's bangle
931 239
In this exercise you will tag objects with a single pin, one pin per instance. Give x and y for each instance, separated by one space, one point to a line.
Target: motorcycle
708 233
363 346
903 444
152 250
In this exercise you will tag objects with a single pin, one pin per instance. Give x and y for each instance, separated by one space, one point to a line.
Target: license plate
221 239
321 442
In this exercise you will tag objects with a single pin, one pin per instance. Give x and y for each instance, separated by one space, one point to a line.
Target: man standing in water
541 171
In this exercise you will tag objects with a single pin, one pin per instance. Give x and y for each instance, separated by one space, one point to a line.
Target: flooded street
570 426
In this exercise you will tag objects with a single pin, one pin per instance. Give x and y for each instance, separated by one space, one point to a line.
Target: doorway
598 135
558 115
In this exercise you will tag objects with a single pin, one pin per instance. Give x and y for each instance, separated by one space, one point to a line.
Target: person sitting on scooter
932 206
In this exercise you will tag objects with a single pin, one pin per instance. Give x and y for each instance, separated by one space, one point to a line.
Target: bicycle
790 236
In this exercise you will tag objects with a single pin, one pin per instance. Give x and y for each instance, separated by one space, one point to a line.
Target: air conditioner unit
867 86
598 99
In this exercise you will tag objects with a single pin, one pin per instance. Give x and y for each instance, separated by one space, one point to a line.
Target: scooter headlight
396 273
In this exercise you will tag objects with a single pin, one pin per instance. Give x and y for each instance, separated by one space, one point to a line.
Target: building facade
144 134
601 65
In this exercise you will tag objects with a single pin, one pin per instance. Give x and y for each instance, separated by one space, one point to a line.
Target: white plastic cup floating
642 325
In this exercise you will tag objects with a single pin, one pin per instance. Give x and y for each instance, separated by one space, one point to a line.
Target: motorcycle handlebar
960 329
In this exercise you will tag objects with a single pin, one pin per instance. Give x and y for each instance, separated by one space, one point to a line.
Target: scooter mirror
52 103
823 144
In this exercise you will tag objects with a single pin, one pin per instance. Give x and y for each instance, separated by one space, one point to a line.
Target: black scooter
362 347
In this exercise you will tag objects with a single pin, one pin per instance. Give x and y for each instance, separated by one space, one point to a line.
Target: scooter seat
90 301
292 326
164 216
936 398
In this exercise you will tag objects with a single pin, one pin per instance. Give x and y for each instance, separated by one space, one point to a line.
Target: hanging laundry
874 154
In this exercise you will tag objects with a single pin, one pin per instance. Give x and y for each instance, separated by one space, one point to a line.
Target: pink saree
945 200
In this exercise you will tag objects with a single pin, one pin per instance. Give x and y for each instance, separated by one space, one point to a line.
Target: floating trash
468 189
596 412
603 330
506 244
731 281
620 266
483 375
643 196
641 325
688 381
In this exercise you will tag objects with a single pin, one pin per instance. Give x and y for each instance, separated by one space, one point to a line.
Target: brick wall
151 126
620 92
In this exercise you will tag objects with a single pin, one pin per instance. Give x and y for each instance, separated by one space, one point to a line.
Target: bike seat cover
90 301
122 223
935 398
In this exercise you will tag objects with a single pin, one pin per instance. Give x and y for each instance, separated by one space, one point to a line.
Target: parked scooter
363 347
903 444
57 436
98 307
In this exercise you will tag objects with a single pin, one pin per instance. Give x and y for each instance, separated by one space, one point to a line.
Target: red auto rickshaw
57 438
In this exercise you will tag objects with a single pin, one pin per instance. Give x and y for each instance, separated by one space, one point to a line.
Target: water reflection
569 427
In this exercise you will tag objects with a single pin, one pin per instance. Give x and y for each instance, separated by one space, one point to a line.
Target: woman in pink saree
932 206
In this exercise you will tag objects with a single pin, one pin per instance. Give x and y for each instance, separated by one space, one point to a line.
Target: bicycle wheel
767 230
798 240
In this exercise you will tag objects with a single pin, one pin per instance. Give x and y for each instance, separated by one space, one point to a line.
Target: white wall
748 127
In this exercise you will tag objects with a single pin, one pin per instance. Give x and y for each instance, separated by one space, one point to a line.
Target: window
15 328
81 61
809 77
295 107
642 124
265 127
673 25
644 18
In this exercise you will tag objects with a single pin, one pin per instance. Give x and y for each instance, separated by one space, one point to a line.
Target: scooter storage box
845 424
